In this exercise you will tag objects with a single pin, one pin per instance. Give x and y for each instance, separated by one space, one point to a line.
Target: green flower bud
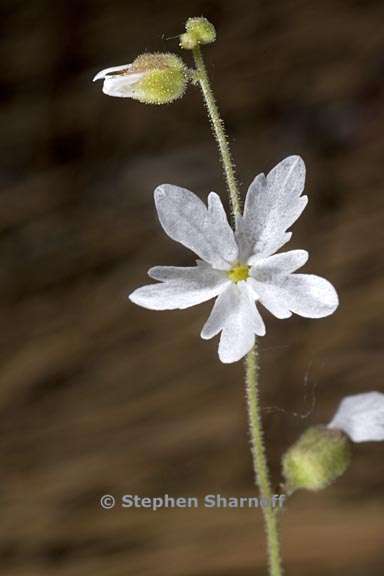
187 41
150 78
198 31
318 457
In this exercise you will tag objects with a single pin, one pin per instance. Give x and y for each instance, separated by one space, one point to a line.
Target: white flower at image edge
239 268
361 417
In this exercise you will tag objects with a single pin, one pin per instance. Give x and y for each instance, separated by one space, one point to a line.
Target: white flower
361 417
239 268
151 78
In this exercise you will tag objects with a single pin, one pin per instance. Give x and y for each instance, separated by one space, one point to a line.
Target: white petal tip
293 159
333 302
99 76
162 192
204 335
361 417
213 197
227 359
231 356
315 298
104 73
131 297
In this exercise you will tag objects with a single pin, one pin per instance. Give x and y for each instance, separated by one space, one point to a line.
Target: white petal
272 204
218 221
104 73
304 294
361 417
285 262
236 316
186 219
201 273
218 315
181 287
264 273
123 86
271 298
310 296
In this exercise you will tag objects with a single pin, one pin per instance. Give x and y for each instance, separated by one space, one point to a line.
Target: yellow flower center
238 273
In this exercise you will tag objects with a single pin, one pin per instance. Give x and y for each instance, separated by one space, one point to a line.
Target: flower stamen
238 273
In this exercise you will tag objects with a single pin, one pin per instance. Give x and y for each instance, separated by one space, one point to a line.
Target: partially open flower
150 78
322 453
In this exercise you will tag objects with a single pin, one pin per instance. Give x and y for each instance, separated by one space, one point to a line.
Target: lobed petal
205 231
180 287
235 315
304 294
310 296
361 416
272 205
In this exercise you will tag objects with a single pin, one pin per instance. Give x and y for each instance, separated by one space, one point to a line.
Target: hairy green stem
218 130
260 464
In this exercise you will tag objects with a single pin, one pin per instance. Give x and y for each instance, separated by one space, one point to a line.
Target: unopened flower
238 267
316 459
150 78
361 417
198 31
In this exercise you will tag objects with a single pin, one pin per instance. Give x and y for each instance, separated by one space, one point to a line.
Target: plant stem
218 130
260 464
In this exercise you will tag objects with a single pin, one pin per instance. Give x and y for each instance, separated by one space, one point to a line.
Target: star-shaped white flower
238 267
361 417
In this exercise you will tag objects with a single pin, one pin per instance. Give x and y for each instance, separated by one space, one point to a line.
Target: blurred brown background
98 396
